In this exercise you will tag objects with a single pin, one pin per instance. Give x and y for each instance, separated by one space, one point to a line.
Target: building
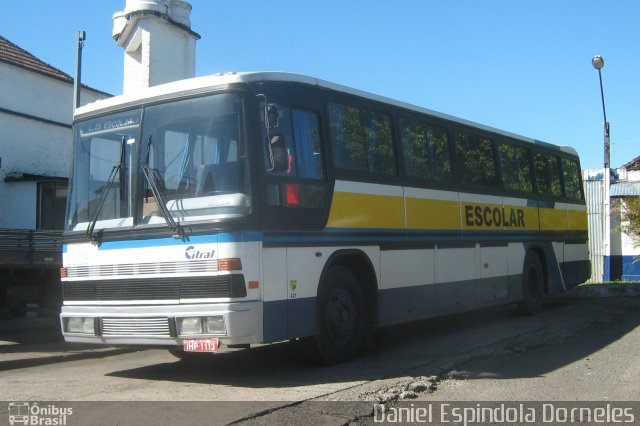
36 111
621 262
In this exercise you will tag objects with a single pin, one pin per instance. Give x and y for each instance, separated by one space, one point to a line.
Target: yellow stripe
432 214
577 220
553 220
356 210
352 210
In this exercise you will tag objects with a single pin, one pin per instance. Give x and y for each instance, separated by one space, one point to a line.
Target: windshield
185 161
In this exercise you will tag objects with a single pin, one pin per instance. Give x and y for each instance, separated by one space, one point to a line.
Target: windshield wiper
149 175
115 172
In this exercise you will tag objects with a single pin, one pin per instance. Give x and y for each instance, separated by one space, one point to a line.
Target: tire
532 285
340 319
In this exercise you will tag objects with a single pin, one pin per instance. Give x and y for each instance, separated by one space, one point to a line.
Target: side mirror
271 116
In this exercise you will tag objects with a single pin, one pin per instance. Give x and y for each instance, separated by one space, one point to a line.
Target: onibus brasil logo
31 413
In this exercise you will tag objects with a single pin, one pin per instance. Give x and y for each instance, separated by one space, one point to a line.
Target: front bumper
156 325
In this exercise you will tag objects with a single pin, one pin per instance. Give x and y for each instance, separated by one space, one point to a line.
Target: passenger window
516 168
476 165
547 171
348 138
381 158
426 151
572 180
362 140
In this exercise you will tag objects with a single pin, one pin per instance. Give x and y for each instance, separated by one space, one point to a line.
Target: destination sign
110 123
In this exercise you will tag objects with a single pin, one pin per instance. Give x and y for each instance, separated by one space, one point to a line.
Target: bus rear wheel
532 285
340 319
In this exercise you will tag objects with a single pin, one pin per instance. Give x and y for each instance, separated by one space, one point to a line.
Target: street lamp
598 63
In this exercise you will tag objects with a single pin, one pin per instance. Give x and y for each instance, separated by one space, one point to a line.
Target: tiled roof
14 55
633 164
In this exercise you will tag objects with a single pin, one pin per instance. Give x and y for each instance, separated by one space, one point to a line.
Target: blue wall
622 268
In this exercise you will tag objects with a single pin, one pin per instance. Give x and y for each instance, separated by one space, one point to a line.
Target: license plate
201 345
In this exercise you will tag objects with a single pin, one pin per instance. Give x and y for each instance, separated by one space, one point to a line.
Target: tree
629 208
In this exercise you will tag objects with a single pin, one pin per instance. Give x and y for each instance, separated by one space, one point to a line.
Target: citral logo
192 254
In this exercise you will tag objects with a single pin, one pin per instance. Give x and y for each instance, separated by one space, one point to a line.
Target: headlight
189 325
215 325
201 325
82 325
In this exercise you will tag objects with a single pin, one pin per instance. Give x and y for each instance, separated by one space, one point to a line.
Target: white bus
249 208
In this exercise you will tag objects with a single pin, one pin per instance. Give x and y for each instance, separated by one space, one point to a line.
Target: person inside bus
283 162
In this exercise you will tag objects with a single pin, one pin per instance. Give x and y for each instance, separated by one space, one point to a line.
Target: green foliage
475 159
516 170
547 174
630 212
572 183
426 151
362 139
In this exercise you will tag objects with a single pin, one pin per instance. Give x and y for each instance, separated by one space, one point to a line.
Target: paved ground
582 349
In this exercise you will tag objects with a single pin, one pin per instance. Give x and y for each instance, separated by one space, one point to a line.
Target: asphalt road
577 349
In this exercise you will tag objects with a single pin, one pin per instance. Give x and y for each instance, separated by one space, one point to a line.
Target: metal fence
593 191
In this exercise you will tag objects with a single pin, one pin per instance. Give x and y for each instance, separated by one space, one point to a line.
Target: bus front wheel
340 319
532 285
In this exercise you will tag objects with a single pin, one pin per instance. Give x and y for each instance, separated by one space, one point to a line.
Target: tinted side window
381 155
572 181
347 135
516 168
476 165
426 151
362 140
547 169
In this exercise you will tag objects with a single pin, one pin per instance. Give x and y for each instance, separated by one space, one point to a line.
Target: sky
519 66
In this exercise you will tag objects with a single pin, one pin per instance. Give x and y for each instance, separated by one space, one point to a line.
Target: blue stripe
226 237
360 235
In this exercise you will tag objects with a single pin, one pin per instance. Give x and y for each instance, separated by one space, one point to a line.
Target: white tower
158 42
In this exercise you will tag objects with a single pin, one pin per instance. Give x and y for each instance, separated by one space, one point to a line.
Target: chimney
159 45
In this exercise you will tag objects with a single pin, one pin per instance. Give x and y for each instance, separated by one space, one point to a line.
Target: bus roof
201 85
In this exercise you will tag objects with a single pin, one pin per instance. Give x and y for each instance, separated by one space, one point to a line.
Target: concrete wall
35 138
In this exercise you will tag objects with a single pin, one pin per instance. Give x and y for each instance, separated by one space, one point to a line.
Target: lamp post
598 63
82 36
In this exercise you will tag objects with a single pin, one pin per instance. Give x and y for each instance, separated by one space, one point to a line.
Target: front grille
155 288
135 327
114 270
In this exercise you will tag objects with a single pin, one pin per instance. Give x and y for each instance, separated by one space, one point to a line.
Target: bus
245 208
